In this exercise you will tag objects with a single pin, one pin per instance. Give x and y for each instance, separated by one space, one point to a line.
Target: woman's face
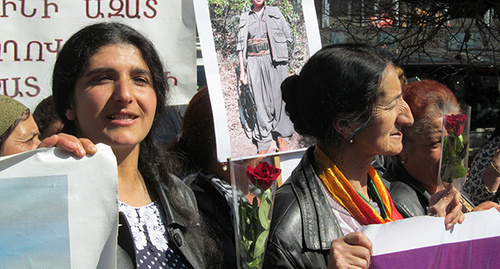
23 138
422 160
383 136
114 99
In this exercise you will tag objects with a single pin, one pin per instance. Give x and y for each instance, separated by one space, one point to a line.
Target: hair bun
289 88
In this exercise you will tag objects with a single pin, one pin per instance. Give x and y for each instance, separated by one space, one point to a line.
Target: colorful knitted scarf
359 207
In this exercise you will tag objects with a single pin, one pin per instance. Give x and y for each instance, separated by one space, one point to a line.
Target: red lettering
28 52
136 15
17 92
48 45
32 91
46 6
169 77
23 12
99 14
32 48
33 86
4 8
14 43
117 10
151 8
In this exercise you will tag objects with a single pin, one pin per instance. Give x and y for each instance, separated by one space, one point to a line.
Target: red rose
264 174
455 123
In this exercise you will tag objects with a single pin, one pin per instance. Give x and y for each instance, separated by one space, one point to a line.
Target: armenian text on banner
32 33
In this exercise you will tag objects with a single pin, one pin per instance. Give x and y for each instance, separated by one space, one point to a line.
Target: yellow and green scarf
359 207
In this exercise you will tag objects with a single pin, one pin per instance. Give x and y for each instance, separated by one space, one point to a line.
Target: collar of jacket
397 172
172 217
320 226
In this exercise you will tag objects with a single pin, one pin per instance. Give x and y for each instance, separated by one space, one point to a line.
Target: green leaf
264 208
255 263
260 244
460 171
463 153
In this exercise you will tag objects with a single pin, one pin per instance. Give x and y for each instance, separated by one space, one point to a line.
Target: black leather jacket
182 242
216 213
408 195
303 225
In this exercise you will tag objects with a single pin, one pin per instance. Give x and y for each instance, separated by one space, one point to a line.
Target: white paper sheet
58 211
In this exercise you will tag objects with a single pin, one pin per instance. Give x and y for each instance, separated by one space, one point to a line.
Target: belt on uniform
255 48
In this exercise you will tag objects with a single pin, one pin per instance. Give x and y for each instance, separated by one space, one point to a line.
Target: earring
351 141
224 167
403 162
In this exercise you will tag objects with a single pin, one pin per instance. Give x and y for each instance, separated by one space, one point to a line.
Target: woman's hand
486 206
351 251
446 203
78 146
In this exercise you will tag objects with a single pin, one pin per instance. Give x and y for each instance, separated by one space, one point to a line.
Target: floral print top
147 224
474 186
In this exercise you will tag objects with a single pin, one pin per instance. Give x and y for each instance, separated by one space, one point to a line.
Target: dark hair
72 60
74 57
340 83
45 114
496 132
9 131
197 142
427 100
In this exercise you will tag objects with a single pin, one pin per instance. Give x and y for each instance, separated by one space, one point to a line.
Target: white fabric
347 222
144 222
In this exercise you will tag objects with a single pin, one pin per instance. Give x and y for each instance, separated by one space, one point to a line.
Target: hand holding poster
58 211
423 242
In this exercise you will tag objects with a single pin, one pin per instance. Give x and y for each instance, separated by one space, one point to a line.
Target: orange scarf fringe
342 190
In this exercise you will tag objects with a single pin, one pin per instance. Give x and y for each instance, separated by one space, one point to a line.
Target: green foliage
224 15
254 228
454 152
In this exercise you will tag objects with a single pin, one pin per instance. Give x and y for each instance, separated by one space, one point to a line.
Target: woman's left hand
446 203
78 146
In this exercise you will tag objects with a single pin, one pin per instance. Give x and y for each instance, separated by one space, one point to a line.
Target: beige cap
10 111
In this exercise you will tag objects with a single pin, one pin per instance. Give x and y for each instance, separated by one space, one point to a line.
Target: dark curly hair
338 84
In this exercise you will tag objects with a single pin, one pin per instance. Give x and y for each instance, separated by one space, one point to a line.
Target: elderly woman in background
414 174
19 132
484 180
349 98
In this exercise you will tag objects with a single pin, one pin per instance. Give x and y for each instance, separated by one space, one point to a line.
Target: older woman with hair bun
349 99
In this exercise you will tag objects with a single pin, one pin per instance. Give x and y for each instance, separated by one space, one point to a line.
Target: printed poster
249 115
58 211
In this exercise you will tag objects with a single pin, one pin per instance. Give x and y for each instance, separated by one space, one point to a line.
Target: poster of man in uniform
249 47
